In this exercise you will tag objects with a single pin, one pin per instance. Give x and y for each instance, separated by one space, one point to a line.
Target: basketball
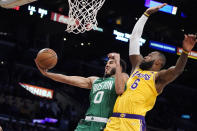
46 58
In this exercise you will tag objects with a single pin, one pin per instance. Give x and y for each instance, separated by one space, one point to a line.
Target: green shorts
84 125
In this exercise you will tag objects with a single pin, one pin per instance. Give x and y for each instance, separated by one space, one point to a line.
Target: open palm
189 42
152 10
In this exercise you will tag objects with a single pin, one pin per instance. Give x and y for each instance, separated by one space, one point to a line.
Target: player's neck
112 76
108 76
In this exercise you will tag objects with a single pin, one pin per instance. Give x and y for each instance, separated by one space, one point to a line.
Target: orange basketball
46 58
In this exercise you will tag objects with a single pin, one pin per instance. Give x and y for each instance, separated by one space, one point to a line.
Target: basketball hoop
84 12
14 3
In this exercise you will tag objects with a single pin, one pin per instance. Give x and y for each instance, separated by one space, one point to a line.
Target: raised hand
189 42
115 56
152 10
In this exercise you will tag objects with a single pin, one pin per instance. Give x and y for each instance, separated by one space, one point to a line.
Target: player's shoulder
125 74
93 78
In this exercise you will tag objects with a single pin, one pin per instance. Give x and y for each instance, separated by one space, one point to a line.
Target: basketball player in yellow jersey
146 82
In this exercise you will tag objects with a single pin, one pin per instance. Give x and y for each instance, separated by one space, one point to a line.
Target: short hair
123 64
163 58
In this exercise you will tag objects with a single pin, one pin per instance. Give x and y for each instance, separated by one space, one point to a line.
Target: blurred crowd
17 126
14 109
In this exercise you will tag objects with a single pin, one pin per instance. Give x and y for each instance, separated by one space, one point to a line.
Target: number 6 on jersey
135 84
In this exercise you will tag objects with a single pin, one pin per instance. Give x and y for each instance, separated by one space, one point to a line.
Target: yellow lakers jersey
140 95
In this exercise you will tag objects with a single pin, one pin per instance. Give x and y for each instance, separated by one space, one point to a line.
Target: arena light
39 121
163 47
185 116
98 29
120 36
142 41
183 15
62 19
66 20
31 9
16 8
125 37
50 120
192 54
168 8
43 121
3 33
39 91
42 12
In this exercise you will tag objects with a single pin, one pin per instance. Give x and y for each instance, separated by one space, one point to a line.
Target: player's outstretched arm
78 81
134 46
120 77
164 77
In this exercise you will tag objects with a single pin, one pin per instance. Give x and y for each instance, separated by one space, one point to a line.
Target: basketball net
82 14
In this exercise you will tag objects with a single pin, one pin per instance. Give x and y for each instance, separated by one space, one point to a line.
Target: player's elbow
179 71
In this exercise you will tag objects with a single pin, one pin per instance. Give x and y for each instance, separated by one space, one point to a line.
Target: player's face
148 61
110 68
151 56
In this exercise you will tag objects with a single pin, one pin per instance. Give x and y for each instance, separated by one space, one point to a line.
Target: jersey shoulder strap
95 80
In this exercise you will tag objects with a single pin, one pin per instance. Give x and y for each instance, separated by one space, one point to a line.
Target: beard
146 65
112 72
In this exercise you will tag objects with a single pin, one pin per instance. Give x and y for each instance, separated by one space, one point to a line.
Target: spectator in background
54 107
25 111
60 110
73 112
64 123
43 111
1 103
49 110
41 104
67 112
14 110
5 106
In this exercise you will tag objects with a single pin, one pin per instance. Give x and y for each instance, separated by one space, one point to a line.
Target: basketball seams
48 51
50 65
46 58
